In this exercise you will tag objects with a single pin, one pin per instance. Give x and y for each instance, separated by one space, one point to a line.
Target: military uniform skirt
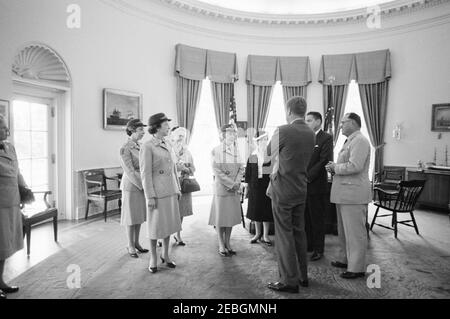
11 232
165 220
134 208
186 205
225 211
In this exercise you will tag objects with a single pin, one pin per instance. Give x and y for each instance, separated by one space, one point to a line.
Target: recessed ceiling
294 6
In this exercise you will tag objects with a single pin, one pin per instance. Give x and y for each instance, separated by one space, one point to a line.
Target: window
31 139
277 113
205 137
353 104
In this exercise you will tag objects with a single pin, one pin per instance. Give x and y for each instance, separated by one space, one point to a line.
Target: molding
160 17
391 8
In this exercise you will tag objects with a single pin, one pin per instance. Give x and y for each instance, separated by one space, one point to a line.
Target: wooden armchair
33 214
398 201
97 190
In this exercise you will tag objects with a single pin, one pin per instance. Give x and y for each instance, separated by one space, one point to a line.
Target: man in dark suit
317 186
291 146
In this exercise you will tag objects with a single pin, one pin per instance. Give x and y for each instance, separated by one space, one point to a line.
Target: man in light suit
351 193
293 144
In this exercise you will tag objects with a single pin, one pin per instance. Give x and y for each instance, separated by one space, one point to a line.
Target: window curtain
188 96
258 100
374 105
192 66
373 74
336 72
295 75
334 96
222 94
222 70
291 91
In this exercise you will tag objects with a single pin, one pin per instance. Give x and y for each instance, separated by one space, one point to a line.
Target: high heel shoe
132 255
179 243
153 269
141 250
255 240
170 265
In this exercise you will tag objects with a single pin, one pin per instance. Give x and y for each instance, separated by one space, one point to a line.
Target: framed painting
440 119
4 110
119 107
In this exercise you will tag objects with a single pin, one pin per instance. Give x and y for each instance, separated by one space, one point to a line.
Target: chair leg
28 234
394 220
87 209
120 203
414 222
105 208
374 217
55 228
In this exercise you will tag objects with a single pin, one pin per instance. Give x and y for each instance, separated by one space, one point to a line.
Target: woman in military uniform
185 168
161 188
257 176
133 199
11 237
228 171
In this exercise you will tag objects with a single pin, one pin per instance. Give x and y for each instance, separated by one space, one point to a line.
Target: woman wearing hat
161 188
133 199
11 238
228 171
257 176
185 168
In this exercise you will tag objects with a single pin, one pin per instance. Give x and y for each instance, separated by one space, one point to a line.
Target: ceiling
294 6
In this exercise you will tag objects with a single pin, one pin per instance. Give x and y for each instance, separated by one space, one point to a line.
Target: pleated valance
266 70
365 68
197 64
294 71
337 69
221 67
373 67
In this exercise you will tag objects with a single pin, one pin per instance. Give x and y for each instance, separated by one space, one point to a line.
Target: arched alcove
41 77
41 63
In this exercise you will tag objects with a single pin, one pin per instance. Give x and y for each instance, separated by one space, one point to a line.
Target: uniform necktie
2 146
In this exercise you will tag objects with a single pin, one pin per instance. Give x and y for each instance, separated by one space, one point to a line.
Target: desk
436 192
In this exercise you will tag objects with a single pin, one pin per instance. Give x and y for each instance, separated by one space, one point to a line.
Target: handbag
189 185
26 195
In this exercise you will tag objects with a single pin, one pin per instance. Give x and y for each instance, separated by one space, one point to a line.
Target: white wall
126 50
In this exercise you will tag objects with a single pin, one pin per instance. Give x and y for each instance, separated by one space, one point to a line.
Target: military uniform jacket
228 169
158 169
10 177
129 160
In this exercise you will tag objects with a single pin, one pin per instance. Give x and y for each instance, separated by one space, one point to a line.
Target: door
32 128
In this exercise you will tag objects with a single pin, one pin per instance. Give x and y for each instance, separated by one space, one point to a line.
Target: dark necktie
2 146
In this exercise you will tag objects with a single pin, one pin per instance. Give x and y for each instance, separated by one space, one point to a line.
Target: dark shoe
338 264
316 256
231 252
278 286
142 250
170 265
153 269
2 295
255 240
267 242
352 275
304 283
10 290
224 253
179 243
132 255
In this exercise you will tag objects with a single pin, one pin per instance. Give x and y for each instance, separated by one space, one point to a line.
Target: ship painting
120 107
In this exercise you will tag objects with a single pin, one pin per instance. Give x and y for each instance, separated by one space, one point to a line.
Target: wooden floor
411 266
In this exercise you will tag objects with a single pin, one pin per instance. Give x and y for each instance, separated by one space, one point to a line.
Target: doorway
33 132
